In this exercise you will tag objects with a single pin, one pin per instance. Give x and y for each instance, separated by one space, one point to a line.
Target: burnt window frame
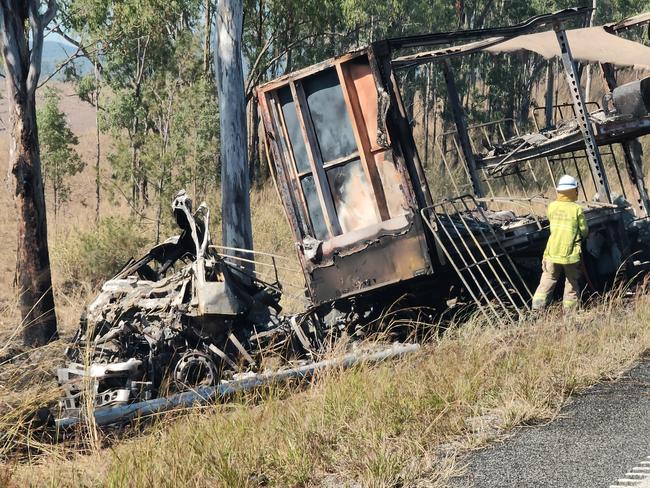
366 149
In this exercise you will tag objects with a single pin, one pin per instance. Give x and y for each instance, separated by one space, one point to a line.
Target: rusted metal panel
381 261
397 126
363 143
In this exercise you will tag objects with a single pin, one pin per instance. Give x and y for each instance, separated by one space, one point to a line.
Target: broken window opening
300 206
314 208
329 126
329 115
293 130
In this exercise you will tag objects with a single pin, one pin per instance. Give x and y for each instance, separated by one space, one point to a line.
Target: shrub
93 256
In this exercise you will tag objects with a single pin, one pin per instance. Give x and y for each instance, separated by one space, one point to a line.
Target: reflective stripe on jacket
568 228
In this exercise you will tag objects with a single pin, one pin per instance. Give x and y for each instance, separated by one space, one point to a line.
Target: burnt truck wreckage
190 321
176 319
359 200
186 324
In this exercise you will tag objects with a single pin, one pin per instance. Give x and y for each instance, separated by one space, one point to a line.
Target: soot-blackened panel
329 115
313 206
293 129
352 195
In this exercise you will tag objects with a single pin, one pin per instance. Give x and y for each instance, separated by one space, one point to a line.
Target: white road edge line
641 475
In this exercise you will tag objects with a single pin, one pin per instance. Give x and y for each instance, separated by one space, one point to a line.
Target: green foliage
59 158
93 256
158 102
193 145
158 98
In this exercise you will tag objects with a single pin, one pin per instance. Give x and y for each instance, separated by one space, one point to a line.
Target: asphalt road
600 437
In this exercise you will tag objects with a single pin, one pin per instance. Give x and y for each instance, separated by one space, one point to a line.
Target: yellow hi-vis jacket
568 228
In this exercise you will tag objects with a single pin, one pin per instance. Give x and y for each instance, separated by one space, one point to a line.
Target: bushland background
140 103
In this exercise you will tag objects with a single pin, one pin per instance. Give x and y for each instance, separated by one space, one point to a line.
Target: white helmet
567 183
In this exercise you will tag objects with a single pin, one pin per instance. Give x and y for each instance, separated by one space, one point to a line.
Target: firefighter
564 247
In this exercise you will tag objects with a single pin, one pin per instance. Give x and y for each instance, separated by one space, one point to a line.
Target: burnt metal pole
461 127
205 395
582 116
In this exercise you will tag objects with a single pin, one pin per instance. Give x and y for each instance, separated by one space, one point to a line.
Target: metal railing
475 252
275 270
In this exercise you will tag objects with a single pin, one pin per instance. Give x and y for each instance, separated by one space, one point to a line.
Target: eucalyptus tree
21 39
134 44
236 224
59 156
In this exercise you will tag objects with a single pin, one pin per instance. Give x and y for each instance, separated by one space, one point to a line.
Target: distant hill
55 53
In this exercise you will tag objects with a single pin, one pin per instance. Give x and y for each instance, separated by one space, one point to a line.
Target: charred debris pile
191 322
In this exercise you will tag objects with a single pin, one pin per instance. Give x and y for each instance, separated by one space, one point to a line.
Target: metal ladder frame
479 255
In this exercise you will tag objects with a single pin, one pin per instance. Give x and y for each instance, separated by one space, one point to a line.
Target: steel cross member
582 116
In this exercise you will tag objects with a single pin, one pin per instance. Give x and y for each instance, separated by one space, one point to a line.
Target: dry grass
400 423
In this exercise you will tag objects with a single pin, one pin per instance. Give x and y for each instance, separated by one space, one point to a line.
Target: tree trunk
208 35
33 265
98 147
235 199
22 70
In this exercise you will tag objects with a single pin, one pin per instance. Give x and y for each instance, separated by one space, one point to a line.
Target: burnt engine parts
179 318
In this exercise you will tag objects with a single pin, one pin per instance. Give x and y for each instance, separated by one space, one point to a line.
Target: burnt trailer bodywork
358 202
348 176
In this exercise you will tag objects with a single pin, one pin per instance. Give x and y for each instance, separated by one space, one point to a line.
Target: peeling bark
235 199
20 21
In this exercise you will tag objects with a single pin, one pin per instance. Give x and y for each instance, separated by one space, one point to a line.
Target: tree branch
262 52
138 212
84 49
78 54
10 45
49 14
37 24
252 80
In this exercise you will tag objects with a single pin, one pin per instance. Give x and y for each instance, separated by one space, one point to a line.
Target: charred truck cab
356 195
